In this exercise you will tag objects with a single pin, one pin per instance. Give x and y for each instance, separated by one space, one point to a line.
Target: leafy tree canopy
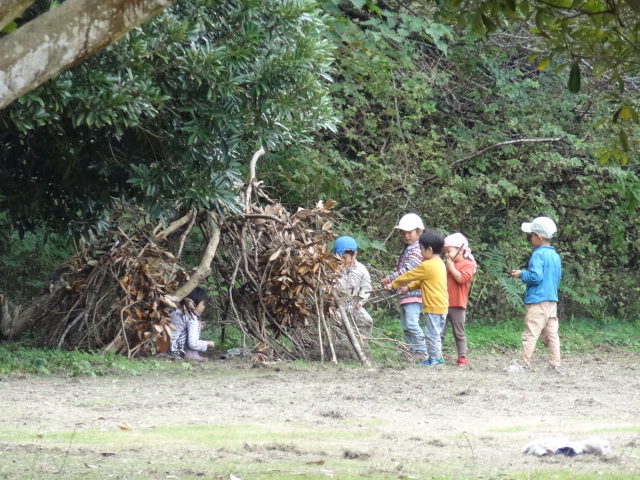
165 116
578 38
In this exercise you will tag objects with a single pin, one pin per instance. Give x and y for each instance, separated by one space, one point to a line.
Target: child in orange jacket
461 267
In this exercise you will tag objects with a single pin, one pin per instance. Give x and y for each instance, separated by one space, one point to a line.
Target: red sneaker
462 361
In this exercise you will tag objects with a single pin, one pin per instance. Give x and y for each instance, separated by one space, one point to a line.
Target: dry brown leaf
124 426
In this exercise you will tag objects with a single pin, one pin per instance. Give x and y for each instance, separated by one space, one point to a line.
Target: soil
227 419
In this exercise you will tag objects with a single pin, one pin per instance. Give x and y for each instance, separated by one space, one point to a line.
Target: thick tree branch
62 37
175 225
12 9
204 268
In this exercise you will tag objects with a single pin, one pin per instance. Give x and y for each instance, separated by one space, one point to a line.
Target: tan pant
541 319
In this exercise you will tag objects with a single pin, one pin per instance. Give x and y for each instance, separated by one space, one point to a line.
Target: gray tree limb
64 36
12 9
203 270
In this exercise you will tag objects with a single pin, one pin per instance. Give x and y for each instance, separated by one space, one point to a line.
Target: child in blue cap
354 284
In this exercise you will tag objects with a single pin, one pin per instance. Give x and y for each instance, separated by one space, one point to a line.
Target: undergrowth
576 336
17 359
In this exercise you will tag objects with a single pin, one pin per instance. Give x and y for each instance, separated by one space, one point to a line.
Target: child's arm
412 278
365 286
193 336
534 274
413 259
462 272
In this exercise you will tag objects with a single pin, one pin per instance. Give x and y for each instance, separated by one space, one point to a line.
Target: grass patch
514 429
229 437
570 474
16 359
576 336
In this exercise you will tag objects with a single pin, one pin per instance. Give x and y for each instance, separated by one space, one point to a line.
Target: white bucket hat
543 226
410 222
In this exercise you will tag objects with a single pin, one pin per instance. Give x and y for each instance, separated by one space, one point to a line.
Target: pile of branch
112 296
272 271
281 275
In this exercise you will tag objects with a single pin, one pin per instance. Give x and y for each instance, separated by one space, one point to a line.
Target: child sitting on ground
355 283
431 278
185 339
461 267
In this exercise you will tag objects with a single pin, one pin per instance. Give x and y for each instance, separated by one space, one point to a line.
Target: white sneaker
516 368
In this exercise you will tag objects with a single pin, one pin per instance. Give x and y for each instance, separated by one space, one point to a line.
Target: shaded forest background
385 108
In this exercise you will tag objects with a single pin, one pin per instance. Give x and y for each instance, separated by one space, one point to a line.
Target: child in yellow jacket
431 278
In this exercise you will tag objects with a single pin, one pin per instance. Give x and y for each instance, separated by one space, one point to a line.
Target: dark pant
457 318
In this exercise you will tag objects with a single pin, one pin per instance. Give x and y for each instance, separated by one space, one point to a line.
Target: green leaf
10 27
624 140
488 23
617 115
626 112
477 25
574 78
544 63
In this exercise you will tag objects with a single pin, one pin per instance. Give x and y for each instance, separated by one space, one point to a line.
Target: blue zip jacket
543 275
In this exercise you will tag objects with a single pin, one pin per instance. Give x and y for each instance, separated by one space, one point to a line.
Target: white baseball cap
543 226
410 222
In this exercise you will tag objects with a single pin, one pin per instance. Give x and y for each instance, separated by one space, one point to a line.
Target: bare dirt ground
227 420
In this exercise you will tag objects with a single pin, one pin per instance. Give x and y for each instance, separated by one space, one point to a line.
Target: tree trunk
11 9
12 328
62 37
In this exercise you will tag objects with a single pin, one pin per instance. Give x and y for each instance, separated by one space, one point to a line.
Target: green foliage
166 115
15 359
413 118
598 37
26 263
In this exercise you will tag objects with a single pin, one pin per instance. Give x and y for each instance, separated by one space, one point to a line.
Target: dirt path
299 421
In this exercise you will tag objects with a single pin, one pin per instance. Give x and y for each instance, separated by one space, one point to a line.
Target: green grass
16 359
576 336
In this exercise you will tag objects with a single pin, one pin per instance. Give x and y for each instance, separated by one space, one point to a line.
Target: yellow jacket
431 278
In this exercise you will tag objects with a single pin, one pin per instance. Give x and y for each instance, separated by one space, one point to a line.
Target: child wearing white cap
410 227
542 278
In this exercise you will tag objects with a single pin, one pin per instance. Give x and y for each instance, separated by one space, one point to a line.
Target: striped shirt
410 258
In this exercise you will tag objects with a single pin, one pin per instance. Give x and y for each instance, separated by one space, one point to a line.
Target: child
354 283
541 297
431 278
410 227
186 321
461 267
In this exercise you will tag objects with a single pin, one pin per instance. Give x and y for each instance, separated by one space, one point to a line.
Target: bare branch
504 144
175 225
203 270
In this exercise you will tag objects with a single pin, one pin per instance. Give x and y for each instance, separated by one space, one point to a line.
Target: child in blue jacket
542 278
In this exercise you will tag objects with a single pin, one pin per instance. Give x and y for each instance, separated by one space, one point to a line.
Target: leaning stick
327 330
347 327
